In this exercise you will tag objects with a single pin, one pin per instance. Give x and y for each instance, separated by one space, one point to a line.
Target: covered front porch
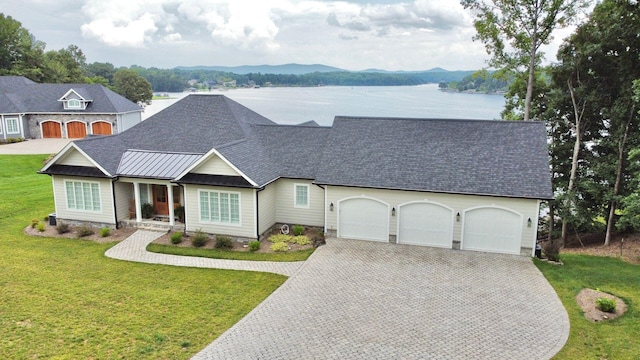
152 204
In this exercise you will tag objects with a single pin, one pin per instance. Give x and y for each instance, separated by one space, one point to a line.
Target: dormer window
74 104
74 100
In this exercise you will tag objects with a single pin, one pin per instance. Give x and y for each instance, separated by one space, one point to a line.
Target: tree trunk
531 79
569 202
551 222
618 183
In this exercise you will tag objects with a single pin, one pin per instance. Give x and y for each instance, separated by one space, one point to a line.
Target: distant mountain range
295 69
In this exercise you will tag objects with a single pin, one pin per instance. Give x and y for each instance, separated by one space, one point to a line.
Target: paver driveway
365 300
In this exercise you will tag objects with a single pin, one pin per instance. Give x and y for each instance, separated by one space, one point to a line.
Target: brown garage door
51 129
101 128
76 129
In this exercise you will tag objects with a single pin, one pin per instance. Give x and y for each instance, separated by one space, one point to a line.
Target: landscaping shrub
551 249
34 223
105 231
199 238
223 242
179 213
41 227
279 238
254 245
606 305
84 230
298 230
63 228
279 247
176 238
301 240
147 211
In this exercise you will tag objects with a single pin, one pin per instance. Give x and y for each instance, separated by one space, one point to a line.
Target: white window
220 207
83 195
74 104
12 126
144 194
301 195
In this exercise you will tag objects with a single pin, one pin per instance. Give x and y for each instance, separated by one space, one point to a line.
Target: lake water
294 105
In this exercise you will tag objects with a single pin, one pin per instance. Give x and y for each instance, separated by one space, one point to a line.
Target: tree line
22 54
589 99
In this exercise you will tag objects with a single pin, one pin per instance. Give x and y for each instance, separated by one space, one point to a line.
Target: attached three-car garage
452 221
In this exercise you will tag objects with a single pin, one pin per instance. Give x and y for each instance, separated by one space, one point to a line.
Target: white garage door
493 230
363 218
425 224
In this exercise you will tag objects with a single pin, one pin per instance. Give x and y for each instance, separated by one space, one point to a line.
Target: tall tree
64 66
606 52
514 30
132 86
20 52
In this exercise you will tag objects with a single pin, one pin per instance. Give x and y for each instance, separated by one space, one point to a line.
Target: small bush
179 213
551 249
223 242
63 228
301 240
105 231
280 238
298 230
34 223
147 211
176 238
606 305
199 238
41 227
84 230
254 245
279 247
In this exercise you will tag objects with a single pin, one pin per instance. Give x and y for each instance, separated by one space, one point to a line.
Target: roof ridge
165 152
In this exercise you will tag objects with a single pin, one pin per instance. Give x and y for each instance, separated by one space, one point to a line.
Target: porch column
136 196
172 220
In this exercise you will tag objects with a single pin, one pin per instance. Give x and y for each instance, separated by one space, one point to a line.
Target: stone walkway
134 249
367 300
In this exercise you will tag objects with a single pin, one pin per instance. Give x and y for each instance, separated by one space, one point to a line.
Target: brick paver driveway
365 300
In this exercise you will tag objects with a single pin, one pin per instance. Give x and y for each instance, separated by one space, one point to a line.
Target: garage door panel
425 224
76 130
101 128
51 130
365 219
493 230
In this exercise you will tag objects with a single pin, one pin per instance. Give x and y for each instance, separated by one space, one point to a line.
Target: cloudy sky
349 34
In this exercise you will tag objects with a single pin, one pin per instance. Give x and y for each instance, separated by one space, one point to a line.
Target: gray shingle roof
502 158
18 94
497 158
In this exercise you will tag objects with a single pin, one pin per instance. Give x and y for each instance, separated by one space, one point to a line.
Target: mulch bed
624 246
51 231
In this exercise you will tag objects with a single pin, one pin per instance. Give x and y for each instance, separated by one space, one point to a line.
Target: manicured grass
63 299
615 339
300 255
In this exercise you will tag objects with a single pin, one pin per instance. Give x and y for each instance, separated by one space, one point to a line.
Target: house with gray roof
209 163
30 110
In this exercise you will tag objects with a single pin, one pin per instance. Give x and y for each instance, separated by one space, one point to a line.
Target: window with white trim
74 104
220 207
301 195
12 126
83 195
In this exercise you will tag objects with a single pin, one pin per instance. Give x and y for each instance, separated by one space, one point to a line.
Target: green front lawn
615 339
300 255
63 299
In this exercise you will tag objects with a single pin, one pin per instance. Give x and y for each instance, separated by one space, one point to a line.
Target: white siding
126 121
106 213
246 228
459 203
287 213
124 194
215 166
267 207
74 157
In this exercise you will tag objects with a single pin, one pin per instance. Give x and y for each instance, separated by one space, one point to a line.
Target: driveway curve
365 300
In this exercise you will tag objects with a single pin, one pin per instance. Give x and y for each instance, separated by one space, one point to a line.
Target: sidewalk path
134 248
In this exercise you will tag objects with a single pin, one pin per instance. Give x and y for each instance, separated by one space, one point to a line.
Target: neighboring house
462 184
30 110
